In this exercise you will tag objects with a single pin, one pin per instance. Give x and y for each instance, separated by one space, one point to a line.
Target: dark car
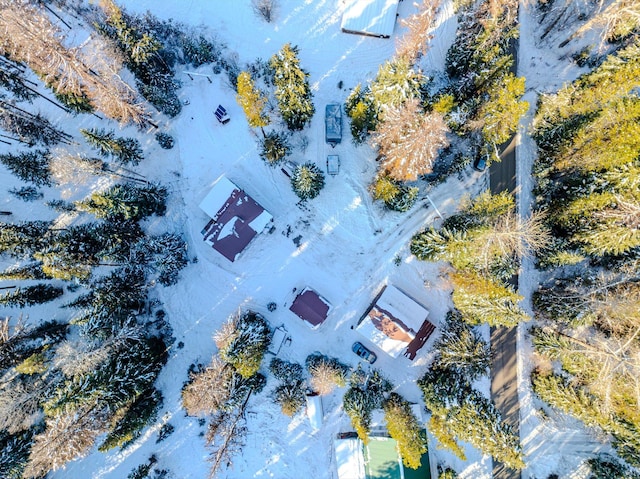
480 163
363 352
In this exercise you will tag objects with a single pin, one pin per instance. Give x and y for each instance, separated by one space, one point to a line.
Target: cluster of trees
221 390
392 114
587 187
484 243
589 327
82 82
458 411
589 141
486 94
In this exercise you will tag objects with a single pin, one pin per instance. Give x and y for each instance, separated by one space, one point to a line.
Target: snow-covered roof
235 218
315 412
333 123
349 458
370 17
310 307
396 323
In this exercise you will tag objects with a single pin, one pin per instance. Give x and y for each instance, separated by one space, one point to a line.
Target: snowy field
340 244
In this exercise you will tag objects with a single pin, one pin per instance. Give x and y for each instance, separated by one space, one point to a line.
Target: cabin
396 323
333 124
376 18
236 218
312 308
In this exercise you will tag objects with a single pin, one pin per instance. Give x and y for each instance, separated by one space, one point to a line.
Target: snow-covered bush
243 341
307 181
326 373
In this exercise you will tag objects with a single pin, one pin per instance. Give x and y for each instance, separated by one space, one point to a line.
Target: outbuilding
310 307
376 18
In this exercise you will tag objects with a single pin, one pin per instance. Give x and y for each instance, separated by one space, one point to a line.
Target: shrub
326 373
307 181
165 140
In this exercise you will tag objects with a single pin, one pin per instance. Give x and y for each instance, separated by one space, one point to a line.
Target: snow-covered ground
341 244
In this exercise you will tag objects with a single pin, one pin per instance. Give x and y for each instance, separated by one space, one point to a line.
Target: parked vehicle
480 163
288 167
363 352
333 165
333 124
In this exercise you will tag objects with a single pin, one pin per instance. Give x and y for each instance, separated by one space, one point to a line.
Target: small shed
333 164
310 307
236 218
333 124
376 18
314 410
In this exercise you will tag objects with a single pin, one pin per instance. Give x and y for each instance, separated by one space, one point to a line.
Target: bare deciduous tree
413 44
27 35
208 390
265 9
66 437
225 438
409 140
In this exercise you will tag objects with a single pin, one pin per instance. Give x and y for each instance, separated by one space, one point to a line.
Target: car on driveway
363 352
480 163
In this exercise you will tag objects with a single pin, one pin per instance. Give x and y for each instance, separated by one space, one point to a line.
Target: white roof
349 458
314 411
403 311
221 190
370 17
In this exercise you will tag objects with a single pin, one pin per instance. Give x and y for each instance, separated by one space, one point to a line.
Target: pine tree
23 239
30 295
275 147
126 201
292 88
396 196
123 150
31 166
362 113
502 111
307 181
395 83
461 348
403 426
243 341
252 101
285 371
481 300
290 396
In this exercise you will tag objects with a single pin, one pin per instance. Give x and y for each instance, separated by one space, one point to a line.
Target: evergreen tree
395 83
502 111
23 239
461 348
307 181
395 195
274 147
483 300
403 426
252 101
123 150
290 397
30 166
362 113
292 88
30 295
366 393
126 201
285 371
243 341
